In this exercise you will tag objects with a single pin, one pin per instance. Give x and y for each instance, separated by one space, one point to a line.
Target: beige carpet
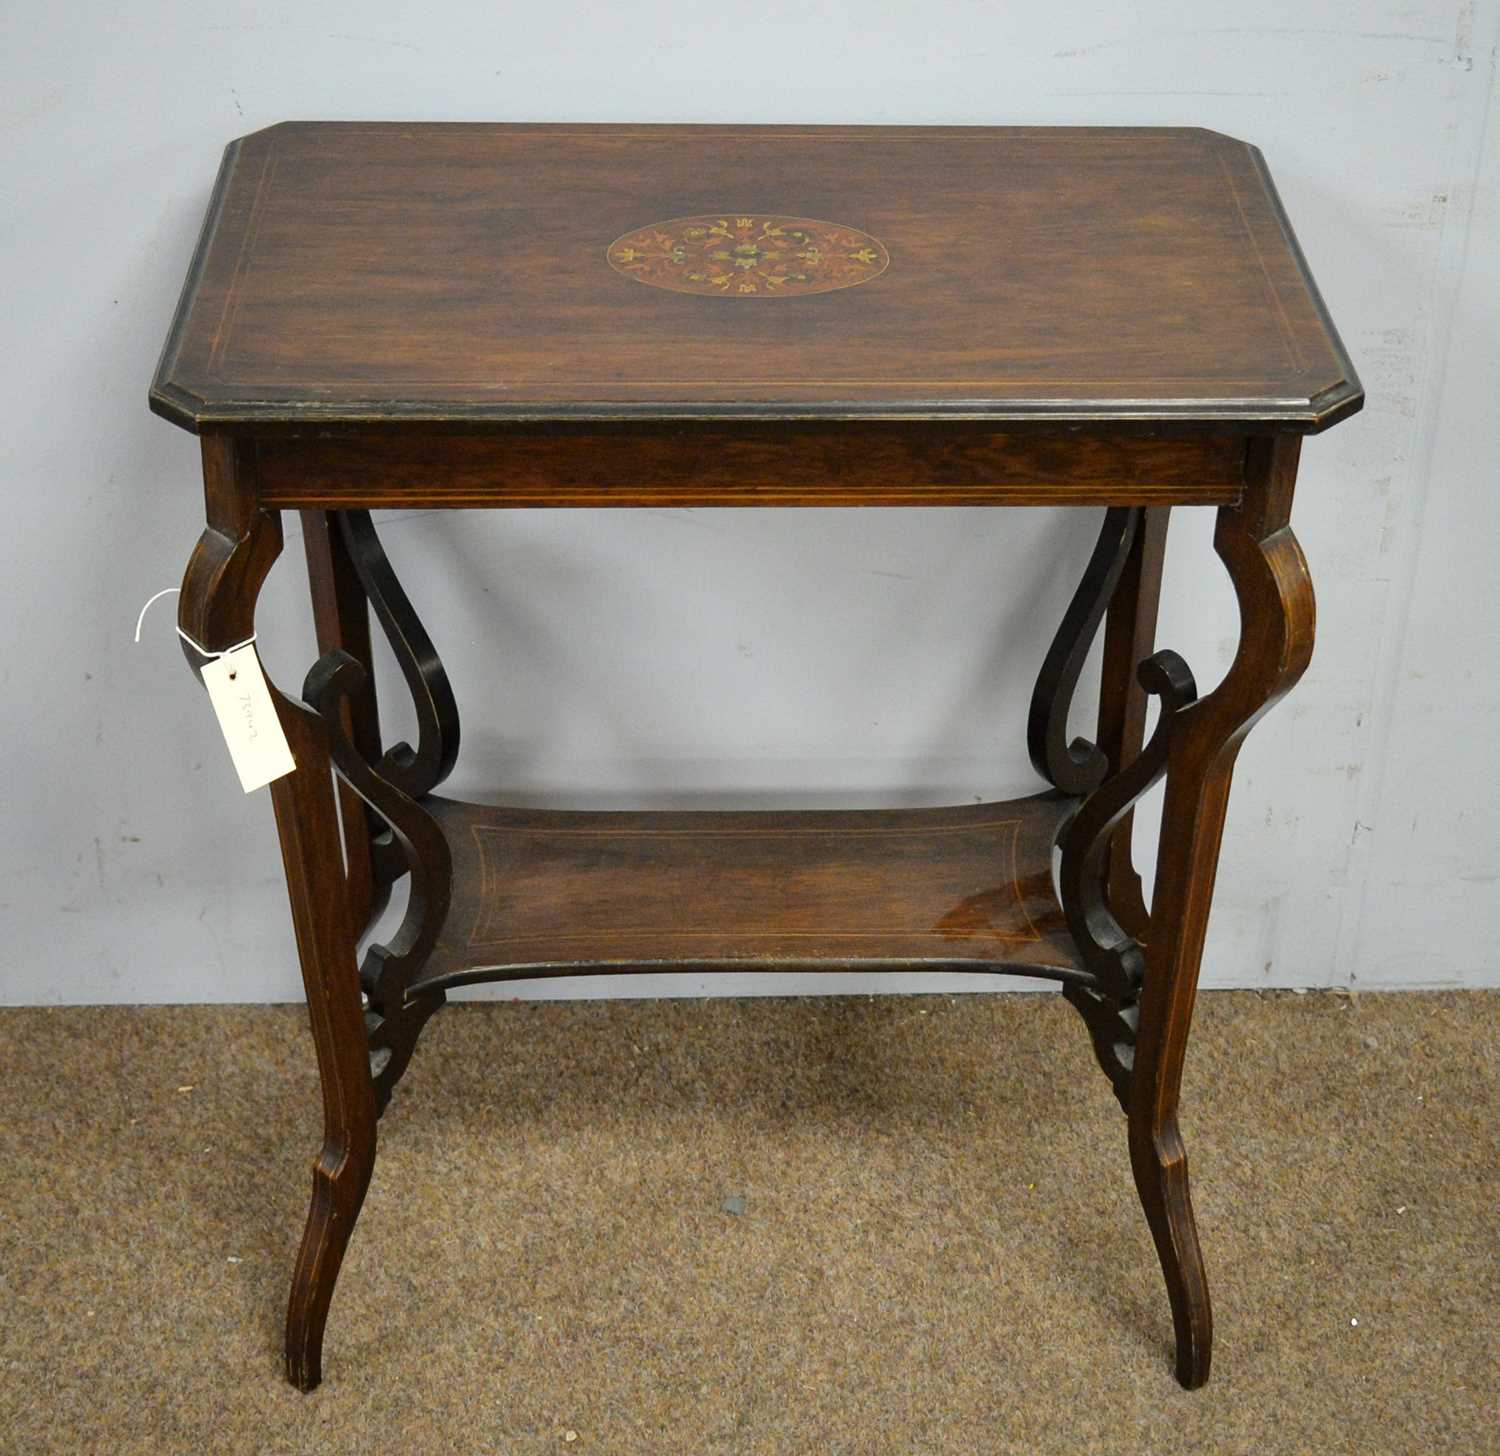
892 1225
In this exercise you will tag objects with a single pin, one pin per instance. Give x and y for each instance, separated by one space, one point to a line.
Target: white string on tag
197 646
166 591
223 652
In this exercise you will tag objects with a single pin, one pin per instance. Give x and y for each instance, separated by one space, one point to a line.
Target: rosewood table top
351 274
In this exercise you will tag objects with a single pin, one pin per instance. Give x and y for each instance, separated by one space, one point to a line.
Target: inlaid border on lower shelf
968 884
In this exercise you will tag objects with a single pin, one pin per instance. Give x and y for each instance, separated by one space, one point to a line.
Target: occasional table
467 316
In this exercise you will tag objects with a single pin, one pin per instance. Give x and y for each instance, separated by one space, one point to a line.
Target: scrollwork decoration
1114 958
414 771
1078 767
392 1019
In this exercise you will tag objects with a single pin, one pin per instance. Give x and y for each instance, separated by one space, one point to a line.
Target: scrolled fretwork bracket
1113 957
414 771
1077 767
393 1019
391 784
350 565
1107 791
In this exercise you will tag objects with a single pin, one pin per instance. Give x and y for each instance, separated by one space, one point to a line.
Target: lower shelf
543 892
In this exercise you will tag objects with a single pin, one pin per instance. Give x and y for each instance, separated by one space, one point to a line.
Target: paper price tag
242 703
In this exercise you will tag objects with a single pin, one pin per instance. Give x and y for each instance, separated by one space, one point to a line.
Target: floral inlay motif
742 256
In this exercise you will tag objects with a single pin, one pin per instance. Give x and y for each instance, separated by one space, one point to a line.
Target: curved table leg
216 610
1274 590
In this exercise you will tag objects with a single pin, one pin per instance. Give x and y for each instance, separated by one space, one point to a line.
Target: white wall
687 657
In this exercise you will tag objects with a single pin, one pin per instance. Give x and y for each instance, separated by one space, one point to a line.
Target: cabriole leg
217 610
1144 967
1274 592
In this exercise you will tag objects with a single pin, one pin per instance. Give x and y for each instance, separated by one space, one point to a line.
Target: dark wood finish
359 273
395 1015
1114 955
1129 638
415 771
1274 590
556 892
341 616
239 545
1076 766
217 610
489 316
306 819
878 463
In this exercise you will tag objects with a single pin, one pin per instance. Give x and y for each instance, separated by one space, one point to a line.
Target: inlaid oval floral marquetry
739 255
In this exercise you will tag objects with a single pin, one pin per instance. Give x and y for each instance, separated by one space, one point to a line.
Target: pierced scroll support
1077 767
401 838
1113 956
393 1019
341 614
414 771
350 573
388 835
1129 639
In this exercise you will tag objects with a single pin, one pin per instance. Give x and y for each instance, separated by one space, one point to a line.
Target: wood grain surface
749 463
368 273
573 891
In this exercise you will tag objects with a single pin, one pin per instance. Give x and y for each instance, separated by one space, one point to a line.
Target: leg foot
1161 1178
339 1185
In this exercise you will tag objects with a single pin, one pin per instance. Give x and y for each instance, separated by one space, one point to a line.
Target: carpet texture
894 1225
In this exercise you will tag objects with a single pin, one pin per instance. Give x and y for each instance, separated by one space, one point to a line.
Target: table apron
796 464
